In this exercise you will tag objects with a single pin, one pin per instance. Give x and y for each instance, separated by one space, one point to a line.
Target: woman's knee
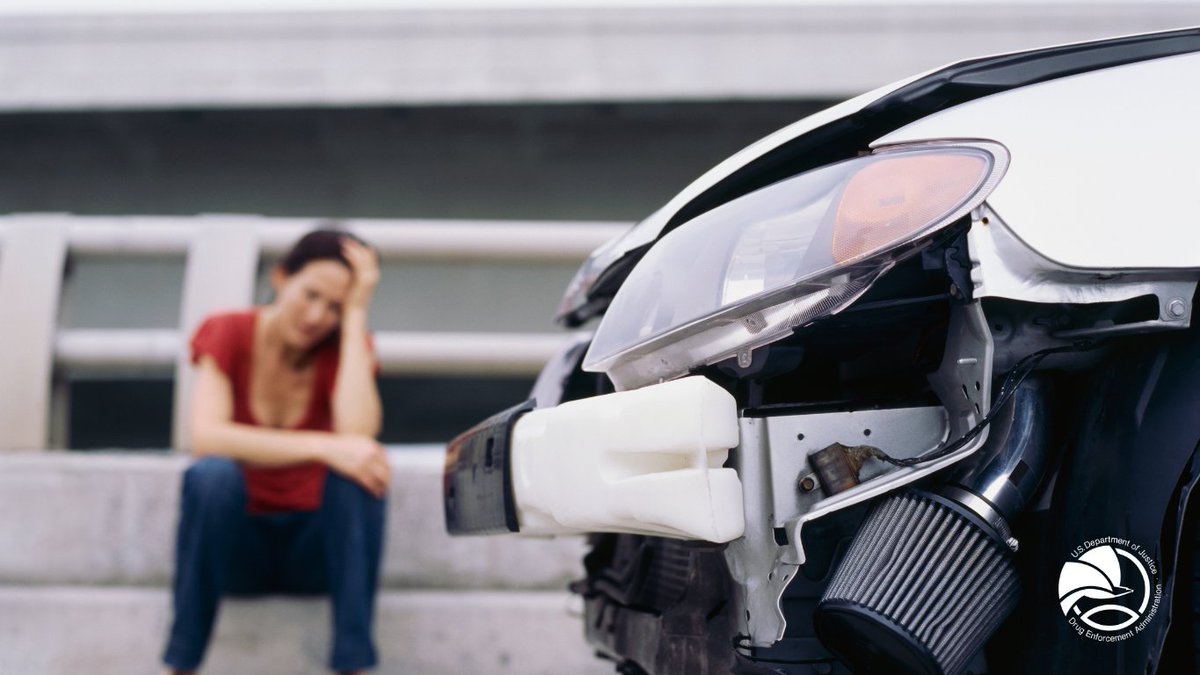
342 493
215 481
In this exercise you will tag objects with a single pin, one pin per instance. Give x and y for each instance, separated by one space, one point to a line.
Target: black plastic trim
477 494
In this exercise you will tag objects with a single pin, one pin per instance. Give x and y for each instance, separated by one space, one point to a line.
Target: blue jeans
221 549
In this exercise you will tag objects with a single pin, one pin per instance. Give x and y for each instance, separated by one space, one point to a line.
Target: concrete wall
109 519
421 56
613 161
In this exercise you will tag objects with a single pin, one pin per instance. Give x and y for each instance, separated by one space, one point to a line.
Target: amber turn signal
894 198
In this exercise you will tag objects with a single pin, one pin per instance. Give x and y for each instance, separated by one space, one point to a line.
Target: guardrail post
220 274
31 275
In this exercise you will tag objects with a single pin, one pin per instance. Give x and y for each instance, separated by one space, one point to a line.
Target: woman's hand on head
362 460
364 265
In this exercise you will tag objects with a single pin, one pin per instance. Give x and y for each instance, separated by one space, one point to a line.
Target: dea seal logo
1110 590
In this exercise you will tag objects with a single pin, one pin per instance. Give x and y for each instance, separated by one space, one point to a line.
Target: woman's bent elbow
201 442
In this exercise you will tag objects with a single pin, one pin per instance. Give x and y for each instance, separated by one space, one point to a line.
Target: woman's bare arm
356 406
213 432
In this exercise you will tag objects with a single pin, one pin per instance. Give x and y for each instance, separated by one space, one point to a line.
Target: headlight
751 271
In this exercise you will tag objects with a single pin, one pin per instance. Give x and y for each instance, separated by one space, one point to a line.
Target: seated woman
287 495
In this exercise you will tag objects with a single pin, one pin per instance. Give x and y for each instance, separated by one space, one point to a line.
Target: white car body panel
1086 187
649 229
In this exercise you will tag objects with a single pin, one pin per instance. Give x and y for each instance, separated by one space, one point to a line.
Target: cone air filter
923 586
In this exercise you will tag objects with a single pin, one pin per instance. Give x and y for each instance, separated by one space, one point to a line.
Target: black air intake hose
930 575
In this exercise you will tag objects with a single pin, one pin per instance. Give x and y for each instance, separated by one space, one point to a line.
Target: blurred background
154 157
583 117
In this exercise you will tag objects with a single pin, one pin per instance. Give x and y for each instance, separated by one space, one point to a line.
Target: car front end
832 381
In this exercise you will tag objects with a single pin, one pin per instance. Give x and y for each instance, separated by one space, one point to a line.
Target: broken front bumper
648 461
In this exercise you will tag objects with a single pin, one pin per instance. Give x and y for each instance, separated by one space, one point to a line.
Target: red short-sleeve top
229 340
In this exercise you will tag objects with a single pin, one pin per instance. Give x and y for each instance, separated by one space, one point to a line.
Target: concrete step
109 519
120 631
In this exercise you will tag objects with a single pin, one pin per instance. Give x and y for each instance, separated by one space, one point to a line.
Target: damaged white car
909 386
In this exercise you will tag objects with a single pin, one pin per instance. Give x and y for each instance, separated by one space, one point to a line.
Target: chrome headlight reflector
751 271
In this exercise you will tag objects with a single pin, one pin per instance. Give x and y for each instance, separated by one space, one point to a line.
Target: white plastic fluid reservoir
646 461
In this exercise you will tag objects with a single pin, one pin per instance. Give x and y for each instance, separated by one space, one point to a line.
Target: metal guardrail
399 353
394 239
222 254
401 239
95 57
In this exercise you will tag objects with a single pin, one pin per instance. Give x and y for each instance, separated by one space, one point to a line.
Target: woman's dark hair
320 244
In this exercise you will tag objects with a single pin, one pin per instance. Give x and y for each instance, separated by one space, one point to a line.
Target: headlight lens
749 272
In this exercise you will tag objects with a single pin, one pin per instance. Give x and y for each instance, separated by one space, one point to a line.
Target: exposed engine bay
857 560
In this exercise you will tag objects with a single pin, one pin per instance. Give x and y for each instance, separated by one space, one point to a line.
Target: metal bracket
761 566
755 560
900 432
1174 312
